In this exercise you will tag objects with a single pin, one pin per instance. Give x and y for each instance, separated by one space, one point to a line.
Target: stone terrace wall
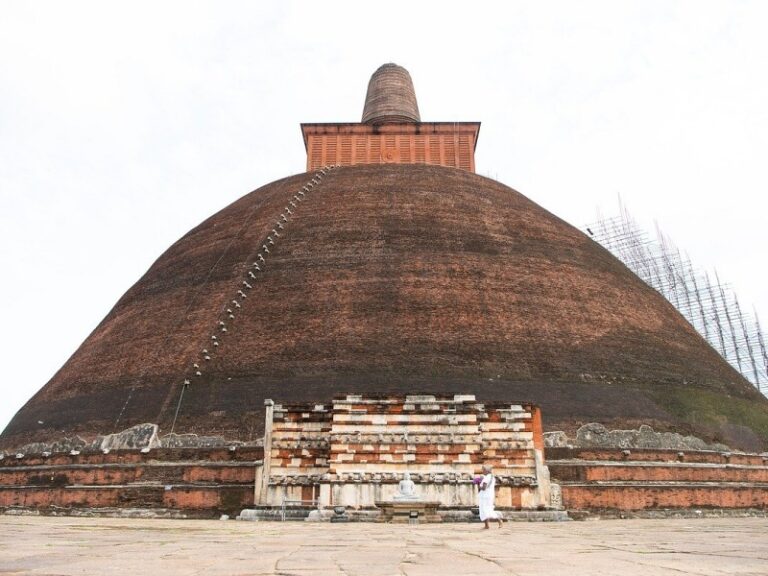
298 452
641 480
356 450
190 482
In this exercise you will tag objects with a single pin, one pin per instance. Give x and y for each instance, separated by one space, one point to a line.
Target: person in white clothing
486 498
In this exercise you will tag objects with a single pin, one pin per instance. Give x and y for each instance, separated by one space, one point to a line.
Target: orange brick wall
444 144
657 473
656 455
441 436
639 497
603 479
203 482
205 500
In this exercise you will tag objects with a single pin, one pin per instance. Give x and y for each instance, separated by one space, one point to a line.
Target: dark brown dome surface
391 279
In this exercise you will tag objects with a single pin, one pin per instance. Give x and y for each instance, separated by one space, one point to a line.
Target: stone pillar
542 471
261 494
325 496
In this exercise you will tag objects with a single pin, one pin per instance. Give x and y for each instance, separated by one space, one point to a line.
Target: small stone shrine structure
406 504
357 452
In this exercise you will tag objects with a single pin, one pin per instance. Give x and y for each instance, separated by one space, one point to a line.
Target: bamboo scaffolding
711 308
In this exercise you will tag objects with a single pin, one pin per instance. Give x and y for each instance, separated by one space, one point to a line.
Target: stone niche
355 451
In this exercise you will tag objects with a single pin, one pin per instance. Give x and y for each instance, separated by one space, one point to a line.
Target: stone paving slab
48 546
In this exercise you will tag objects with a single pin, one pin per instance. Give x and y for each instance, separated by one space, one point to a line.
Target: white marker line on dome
280 224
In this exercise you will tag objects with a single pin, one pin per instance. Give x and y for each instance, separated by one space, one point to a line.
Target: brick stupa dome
389 278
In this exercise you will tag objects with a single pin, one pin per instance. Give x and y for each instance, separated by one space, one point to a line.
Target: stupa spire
390 97
391 131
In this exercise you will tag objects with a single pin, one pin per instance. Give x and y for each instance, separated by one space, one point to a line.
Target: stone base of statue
339 514
409 511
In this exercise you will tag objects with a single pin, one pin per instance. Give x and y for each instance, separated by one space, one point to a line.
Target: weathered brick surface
390 96
226 499
240 454
648 497
587 472
212 499
189 480
392 435
360 448
643 479
391 279
653 455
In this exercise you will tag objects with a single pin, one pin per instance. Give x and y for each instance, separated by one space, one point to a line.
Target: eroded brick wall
647 479
356 450
200 482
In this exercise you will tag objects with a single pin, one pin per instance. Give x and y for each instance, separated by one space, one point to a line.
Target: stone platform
205 483
615 481
96 546
187 482
406 511
401 515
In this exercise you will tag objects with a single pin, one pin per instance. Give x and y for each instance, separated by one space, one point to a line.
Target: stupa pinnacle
390 97
391 131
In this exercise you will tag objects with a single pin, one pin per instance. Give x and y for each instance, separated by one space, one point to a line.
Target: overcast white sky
124 124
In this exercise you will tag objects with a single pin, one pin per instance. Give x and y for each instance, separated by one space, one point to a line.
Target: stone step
663 495
125 473
227 498
596 471
126 456
262 514
655 455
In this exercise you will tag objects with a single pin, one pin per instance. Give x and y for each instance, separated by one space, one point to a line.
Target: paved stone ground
69 546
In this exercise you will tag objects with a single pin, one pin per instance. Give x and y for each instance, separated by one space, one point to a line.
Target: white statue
406 489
